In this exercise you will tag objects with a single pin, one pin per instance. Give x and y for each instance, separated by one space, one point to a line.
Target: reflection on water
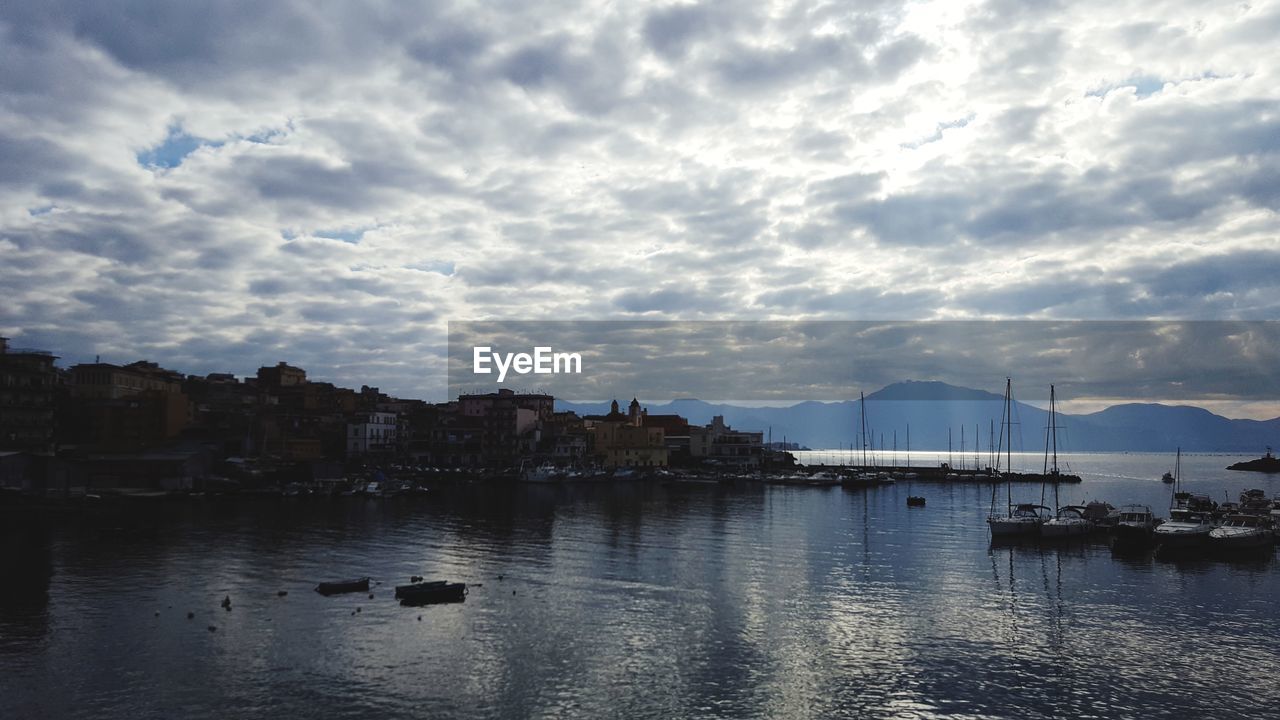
632 600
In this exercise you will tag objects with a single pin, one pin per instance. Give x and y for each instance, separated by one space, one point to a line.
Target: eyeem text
543 361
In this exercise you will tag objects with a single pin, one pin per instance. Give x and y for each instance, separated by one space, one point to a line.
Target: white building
374 432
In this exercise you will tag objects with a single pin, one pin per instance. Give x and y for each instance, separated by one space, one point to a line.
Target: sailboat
1023 519
865 476
1190 516
1069 521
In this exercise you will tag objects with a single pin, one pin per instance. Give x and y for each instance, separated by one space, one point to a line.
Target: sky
222 185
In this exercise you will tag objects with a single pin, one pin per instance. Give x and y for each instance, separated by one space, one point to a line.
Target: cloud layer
222 185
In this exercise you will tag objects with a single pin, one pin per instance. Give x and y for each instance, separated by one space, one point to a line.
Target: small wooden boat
402 590
430 593
337 587
915 501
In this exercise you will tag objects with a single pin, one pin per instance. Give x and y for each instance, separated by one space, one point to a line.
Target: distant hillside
933 408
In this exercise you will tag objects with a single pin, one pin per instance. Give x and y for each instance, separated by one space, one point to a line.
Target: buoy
191 616
213 628
357 609
282 593
499 576
419 618
157 613
370 596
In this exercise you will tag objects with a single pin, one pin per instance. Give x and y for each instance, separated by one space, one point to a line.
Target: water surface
634 600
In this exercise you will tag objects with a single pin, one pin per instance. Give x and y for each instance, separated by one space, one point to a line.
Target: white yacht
1190 517
544 473
1184 529
1241 531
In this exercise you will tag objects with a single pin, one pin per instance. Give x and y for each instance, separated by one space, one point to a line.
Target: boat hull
1131 535
1174 539
1013 527
338 587
432 593
1226 541
1055 530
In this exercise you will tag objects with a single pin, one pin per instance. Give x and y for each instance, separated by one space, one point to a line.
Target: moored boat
1242 532
402 590
1023 520
1183 530
1069 522
335 587
544 473
1190 517
431 593
1134 527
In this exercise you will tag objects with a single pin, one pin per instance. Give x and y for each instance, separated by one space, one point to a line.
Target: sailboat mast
862 405
908 444
1053 417
991 438
1007 421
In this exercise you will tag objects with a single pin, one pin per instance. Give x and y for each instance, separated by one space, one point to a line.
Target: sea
638 599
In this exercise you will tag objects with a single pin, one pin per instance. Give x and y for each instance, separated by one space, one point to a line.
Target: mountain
931 409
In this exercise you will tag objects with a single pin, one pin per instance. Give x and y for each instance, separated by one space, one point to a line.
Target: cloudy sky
217 186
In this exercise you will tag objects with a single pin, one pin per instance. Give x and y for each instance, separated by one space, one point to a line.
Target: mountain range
931 409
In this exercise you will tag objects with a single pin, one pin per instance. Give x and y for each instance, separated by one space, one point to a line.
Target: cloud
172 173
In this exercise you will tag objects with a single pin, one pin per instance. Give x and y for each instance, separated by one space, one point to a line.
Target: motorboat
1242 531
1184 529
544 473
1190 517
1135 526
823 478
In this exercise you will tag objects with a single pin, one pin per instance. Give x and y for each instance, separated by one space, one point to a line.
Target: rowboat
430 593
336 587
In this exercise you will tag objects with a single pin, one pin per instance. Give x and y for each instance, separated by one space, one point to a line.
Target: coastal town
139 429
